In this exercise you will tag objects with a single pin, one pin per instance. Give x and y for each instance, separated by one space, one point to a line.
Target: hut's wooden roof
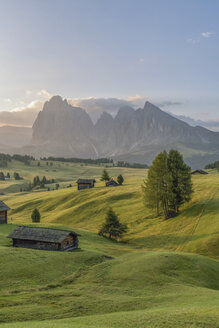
199 171
85 181
3 206
112 183
41 234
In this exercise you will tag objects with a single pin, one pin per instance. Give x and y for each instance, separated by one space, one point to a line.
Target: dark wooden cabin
3 213
112 183
199 172
85 183
44 239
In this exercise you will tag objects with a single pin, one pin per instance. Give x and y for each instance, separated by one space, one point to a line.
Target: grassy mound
164 288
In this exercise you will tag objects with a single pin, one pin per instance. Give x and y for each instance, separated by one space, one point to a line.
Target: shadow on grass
161 241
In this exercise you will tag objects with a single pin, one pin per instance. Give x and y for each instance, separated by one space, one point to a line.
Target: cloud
207 34
168 103
137 101
25 113
197 39
141 60
28 92
44 93
193 40
7 100
21 116
96 106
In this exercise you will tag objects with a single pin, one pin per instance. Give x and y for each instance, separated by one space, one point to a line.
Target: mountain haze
133 135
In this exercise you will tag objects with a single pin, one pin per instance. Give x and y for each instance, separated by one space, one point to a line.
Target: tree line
214 165
132 165
5 158
16 176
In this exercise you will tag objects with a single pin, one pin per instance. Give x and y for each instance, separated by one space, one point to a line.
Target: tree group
168 185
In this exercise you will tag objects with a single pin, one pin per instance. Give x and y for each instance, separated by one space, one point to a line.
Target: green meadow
162 274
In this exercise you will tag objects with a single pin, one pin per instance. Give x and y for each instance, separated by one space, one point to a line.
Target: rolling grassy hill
195 230
92 289
151 279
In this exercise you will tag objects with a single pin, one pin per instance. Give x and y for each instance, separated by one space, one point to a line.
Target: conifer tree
105 176
120 179
35 216
44 180
112 226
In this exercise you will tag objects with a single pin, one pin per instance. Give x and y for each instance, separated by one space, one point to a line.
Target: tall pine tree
112 227
105 176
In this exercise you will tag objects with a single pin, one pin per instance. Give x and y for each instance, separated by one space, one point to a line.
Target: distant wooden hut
3 212
44 239
111 183
196 172
85 183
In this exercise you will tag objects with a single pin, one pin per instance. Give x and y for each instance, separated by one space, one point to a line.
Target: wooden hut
44 238
111 183
196 172
85 183
3 212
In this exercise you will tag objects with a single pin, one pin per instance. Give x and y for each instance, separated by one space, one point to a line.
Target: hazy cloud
21 116
206 34
95 106
168 103
44 93
7 100
193 40
197 39
28 92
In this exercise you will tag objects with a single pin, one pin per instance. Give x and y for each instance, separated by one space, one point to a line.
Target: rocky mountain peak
63 130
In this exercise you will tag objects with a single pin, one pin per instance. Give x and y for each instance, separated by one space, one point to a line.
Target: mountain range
132 135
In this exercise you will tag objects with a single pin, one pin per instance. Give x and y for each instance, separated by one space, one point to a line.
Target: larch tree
181 184
168 184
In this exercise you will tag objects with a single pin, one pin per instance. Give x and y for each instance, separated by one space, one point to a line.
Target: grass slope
195 230
166 289
150 280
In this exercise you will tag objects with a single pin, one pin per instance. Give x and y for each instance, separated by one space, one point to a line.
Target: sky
163 51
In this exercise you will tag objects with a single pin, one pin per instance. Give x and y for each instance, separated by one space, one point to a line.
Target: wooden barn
44 238
85 183
3 213
111 183
196 172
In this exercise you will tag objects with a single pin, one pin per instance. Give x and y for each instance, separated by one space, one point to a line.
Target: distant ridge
132 135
